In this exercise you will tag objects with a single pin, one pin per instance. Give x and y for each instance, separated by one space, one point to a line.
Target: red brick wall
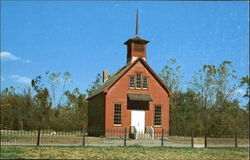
118 94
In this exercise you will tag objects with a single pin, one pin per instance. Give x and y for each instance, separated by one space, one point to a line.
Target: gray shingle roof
110 80
136 39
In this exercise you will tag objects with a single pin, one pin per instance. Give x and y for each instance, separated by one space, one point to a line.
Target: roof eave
137 41
88 98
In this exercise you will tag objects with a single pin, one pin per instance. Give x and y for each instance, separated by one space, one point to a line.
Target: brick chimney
105 76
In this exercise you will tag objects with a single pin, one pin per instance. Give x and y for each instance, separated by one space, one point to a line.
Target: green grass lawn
132 152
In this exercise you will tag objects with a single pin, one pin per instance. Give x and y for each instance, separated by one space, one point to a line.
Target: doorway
138 120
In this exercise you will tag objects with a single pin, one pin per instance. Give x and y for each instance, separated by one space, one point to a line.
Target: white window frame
137 81
117 114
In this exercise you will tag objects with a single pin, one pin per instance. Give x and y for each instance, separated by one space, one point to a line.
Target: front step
148 133
143 136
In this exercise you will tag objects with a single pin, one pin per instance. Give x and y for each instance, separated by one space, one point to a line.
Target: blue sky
85 38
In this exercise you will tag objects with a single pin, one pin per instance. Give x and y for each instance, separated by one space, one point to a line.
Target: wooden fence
118 138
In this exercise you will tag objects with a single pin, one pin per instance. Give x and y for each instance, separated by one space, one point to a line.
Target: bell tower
136 47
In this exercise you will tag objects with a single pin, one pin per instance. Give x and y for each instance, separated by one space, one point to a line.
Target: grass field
133 152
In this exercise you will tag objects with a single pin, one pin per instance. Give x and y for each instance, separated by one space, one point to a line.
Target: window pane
145 82
138 80
157 116
132 82
117 114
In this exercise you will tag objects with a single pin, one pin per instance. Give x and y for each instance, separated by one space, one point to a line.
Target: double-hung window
117 114
131 82
145 83
138 80
157 116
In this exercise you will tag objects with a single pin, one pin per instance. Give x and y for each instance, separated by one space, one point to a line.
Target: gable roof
137 40
114 78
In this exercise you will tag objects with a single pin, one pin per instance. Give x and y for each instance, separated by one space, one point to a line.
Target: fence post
236 143
162 134
125 137
205 138
83 138
38 136
192 139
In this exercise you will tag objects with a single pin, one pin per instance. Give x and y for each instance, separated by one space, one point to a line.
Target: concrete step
143 136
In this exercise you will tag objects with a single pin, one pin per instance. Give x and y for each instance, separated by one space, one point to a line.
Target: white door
138 120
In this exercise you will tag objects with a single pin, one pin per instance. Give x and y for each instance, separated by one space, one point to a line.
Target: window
145 82
138 80
157 115
132 82
117 114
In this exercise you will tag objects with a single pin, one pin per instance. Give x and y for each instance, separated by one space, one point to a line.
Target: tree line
207 103
42 107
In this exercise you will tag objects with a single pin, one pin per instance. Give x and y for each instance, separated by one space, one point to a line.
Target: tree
57 83
14 107
42 101
245 81
94 85
203 84
225 82
172 76
186 116
216 87
77 101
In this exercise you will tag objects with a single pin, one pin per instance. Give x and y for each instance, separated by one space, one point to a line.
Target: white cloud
24 80
21 79
26 61
14 76
7 56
